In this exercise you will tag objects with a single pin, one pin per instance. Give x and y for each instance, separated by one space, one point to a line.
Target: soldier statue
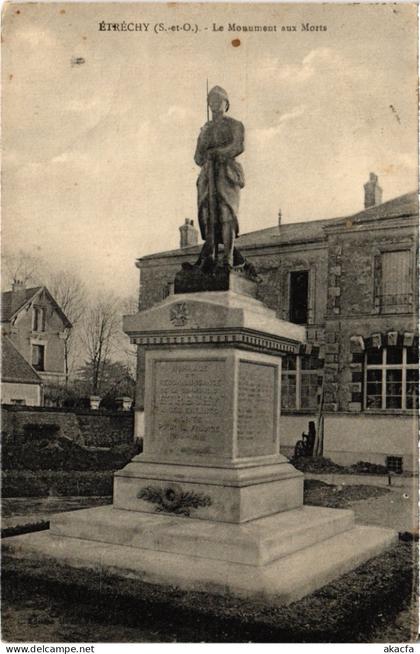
220 140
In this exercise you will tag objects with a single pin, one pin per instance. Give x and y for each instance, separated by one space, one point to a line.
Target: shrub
41 525
59 453
316 464
26 483
370 468
34 431
23 483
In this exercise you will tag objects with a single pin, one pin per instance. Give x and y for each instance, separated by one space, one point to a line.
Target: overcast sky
98 156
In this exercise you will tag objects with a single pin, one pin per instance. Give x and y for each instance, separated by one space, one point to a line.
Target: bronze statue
221 139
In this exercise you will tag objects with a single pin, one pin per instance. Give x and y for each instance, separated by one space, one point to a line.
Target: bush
33 431
320 464
23 483
26 483
59 453
317 464
41 525
370 468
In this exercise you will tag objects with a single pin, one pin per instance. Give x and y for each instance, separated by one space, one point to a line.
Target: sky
98 163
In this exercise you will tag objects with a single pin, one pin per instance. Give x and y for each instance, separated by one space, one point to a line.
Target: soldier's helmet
220 93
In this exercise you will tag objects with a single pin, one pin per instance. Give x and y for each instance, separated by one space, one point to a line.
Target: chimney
189 234
18 294
279 218
373 192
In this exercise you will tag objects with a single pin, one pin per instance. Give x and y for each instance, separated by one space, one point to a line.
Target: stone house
36 325
352 281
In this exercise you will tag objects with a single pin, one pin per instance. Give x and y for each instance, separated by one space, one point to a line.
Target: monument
211 504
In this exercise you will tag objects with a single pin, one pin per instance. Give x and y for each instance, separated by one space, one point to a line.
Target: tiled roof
6 302
14 368
404 205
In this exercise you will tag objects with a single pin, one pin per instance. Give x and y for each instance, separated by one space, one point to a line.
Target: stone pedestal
211 447
212 410
210 504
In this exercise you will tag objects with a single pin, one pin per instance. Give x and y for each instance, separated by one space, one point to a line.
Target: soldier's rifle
212 192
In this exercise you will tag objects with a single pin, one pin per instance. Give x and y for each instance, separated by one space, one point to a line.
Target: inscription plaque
256 407
189 408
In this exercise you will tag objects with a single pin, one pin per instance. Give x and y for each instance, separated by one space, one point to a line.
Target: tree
100 327
21 266
129 305
69 292
116 381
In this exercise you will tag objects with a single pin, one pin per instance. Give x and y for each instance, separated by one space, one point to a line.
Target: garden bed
320 464
319 493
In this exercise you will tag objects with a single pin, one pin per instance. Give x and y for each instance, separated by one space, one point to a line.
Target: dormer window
38 319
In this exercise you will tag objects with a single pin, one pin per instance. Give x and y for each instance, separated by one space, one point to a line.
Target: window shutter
377 275
395 275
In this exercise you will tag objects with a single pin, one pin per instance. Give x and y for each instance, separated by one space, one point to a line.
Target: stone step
281 582
255 543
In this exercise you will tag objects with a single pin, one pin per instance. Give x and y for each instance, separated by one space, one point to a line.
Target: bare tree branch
21 266
69 292
100 327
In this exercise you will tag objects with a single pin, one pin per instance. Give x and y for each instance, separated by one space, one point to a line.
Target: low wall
30 393
372 438
86 427
350 438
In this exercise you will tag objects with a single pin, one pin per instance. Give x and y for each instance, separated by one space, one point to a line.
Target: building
352 281
36 326
20 384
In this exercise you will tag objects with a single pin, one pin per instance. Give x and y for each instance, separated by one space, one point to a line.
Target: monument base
279 558
194 280
225 493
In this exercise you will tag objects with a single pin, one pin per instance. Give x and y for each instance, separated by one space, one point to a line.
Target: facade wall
353 307
275 269
344 302
29 394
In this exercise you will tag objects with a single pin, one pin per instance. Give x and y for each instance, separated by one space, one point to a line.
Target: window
394 464
391 378
393 281
300 382
298 297
18 402
38 357
38 320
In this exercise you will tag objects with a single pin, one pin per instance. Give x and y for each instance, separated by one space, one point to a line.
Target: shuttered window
395 283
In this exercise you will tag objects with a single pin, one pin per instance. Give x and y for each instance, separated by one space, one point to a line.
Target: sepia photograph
209 311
